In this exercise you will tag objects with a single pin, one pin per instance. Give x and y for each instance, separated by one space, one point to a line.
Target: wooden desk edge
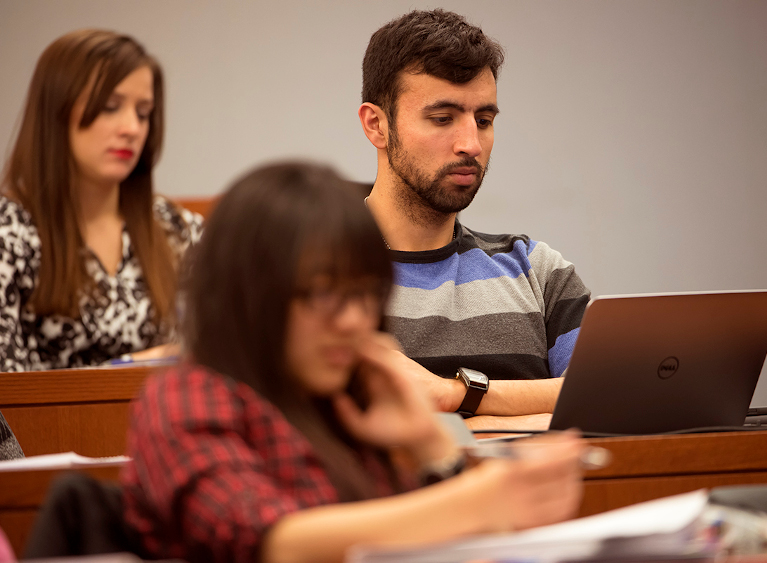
681 454
73 385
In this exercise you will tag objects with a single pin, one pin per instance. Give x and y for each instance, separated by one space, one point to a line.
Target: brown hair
245 272
40 169
439 43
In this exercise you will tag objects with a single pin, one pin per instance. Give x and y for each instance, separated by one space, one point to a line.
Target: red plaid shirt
214 466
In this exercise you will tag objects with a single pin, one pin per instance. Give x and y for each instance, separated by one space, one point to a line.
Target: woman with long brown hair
88 253
273 440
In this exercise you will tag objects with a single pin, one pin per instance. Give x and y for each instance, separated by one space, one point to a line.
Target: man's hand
504 397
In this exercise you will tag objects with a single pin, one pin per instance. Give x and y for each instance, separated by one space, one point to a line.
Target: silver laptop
644 364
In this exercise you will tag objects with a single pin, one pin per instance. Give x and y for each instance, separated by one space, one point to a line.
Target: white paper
67 460
658 527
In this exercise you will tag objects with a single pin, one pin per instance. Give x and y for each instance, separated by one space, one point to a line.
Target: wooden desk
642 468
648 467
81 410
202 205
86 411
23 492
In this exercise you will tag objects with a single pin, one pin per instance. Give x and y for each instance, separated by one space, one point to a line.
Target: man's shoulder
493 243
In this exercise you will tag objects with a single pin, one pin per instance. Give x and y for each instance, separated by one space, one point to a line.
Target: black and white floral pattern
118 322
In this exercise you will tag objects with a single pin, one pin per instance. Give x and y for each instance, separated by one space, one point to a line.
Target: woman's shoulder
218 400
193 381
178 222
12 213
17 230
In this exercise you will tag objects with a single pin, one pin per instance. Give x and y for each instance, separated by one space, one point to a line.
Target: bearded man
487 323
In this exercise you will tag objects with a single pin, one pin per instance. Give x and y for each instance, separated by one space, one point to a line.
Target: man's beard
438 198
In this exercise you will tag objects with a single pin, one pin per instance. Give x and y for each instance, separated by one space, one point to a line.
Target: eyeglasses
331 300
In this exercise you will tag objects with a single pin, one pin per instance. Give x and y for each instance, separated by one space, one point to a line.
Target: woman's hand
446 394
399 414
543 486
157 352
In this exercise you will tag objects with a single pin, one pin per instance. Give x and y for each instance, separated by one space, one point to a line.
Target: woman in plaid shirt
273 441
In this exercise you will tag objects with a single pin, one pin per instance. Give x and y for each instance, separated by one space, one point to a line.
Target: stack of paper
662 527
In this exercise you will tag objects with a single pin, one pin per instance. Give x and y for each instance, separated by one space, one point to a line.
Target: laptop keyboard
756 416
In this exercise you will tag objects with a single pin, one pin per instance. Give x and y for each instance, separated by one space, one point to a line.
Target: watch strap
471 401
475 391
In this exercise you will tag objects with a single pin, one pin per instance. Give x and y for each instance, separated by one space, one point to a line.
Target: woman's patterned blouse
118 321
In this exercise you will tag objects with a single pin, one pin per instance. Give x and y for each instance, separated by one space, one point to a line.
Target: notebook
653 363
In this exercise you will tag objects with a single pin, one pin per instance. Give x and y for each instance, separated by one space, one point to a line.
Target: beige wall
633 133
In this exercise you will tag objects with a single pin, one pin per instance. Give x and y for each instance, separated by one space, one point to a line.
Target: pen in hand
593 457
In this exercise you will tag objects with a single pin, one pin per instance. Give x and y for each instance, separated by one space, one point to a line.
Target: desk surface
643 468
81 410
72 385
647 467
87 411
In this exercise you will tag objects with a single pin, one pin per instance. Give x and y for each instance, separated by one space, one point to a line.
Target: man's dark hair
438 43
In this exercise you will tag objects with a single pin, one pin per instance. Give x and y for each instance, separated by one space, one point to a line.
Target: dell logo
668 367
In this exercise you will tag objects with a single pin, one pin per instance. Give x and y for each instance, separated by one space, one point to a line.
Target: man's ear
374 124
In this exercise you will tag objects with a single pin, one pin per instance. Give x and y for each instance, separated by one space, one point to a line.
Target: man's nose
467 141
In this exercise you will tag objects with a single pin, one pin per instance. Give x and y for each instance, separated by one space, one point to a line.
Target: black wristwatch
477 385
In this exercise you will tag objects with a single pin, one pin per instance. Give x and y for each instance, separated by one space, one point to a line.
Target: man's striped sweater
502 304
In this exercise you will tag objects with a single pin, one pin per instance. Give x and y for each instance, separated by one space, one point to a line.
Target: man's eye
483 123
442 119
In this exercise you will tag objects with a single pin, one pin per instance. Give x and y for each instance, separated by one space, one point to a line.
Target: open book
67 460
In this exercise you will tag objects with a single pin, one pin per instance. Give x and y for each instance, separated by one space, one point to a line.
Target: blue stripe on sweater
560 353
472 265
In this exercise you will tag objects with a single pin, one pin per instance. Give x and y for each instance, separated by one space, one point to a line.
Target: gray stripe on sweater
512 333
458 303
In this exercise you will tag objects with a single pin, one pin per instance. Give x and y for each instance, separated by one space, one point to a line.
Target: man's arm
524 422
504 397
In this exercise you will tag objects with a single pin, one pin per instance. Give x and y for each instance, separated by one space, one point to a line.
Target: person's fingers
550 455
562 501
551 439
565 489
348 412
385 377
377 347
532 492
385 340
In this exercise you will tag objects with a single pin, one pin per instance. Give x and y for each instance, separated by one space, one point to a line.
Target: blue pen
124 359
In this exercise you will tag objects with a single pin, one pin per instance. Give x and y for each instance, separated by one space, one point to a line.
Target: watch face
476 377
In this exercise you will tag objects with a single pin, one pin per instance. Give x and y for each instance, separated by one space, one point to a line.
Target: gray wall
632 134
